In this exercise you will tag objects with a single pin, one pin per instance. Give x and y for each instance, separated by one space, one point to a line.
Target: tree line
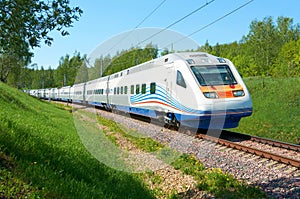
271 48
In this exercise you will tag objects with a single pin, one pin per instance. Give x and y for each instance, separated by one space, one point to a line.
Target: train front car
218 97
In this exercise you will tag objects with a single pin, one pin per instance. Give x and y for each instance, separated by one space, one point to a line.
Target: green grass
276 109
42 155
220 184
214 181
141 141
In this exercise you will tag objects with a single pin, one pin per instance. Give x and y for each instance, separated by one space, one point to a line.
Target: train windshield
213 75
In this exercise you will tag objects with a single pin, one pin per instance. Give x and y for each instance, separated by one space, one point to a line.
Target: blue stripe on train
205 120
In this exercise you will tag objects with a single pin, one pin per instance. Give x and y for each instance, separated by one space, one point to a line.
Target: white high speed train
192 89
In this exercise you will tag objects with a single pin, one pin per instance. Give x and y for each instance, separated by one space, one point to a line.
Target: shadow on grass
62 171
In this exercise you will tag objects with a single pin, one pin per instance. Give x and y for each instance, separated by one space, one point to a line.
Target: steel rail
268 141
258 152
276 143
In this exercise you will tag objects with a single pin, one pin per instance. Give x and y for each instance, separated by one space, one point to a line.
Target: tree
82 74
265 40
24 24
131 57
288 61
68 68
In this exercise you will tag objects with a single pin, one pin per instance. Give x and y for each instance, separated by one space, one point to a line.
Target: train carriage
192 89
65 93
79 93
96 92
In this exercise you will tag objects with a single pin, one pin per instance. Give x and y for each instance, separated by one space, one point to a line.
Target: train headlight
211 95
238 93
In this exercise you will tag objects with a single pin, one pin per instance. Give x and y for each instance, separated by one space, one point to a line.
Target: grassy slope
41 155
276 109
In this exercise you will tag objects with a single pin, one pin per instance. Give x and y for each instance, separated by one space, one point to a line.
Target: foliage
25 23
288 62
99 66
68 68
131 58
276 108
269 49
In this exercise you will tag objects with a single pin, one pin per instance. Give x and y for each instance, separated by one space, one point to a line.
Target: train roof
191 58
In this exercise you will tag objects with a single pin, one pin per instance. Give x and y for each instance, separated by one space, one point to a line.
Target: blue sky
103 20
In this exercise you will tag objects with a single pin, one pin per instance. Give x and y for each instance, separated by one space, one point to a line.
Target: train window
143 88
137 89
180 80
125 90
132 89
152 88
122 90
118 90
115 90
213 75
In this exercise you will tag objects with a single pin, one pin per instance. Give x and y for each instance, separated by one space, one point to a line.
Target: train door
169 82
84 93
107 106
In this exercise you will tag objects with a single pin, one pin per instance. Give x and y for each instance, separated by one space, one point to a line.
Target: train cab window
132 89
137 89
125 90
180 80
152 88
143 88
214 75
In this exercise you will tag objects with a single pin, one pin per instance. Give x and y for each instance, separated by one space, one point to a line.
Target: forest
270 49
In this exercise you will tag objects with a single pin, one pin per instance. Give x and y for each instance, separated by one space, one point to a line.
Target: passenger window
115 90
152 88
180 80
137 89
125 90
122 90
118 90
143 88
132 89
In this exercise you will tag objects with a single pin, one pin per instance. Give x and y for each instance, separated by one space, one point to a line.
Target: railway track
278 180
281 152
271 149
